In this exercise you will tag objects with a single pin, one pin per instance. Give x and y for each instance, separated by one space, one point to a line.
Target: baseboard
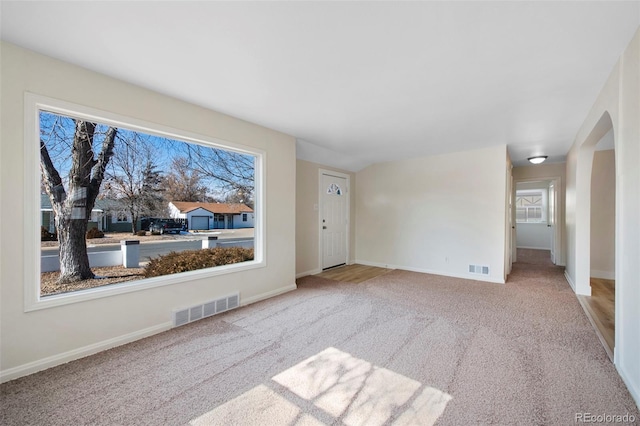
605 275
433 272
52 361
376 264
267 295
307 273
534 248
569 280
633 389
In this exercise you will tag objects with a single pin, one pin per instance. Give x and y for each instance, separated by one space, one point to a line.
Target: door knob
324 227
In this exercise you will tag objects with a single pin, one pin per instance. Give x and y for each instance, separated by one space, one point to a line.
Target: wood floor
600 308
353 273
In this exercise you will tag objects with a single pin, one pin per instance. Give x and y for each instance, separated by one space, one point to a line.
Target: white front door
334 221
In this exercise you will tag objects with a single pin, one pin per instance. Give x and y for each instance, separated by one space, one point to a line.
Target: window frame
544 195
120 216
33 301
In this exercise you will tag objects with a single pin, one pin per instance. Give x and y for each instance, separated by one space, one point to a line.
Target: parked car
165 227
145 222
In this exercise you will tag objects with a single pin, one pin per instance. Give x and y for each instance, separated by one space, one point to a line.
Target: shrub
95 233
141 233
45 235
192 260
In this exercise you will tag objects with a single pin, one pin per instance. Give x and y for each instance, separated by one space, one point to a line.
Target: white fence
211 242
128 256
103 258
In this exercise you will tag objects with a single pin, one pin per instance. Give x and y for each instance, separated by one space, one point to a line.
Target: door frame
510 256
559 187
552 221
321 189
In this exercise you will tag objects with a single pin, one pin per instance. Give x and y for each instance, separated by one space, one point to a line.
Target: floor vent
479 269
207 309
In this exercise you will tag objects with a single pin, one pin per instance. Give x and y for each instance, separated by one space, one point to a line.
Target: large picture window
117 201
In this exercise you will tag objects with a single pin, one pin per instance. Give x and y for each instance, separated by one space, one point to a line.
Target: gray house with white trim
205 216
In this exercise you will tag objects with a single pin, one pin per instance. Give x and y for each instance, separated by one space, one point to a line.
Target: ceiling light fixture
537 159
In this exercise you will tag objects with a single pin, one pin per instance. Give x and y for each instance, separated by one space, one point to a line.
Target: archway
595 284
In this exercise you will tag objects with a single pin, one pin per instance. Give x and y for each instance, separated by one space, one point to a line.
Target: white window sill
45 302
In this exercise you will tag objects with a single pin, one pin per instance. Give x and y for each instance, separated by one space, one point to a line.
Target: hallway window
530 207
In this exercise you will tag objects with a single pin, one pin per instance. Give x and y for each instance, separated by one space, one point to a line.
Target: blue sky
57 132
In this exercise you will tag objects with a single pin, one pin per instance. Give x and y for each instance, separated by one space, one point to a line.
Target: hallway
599 307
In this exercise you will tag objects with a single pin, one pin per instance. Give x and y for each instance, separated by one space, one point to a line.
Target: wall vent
209 309
204 310
180 317
479 269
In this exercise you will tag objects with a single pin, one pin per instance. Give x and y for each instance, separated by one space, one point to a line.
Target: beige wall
307 220
547 172
603 215
38 339
435 214
617 105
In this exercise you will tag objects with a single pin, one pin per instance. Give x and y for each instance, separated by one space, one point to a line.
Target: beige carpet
404 348
534 257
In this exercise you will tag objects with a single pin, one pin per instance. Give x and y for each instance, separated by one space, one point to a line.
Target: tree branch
99 168
51 177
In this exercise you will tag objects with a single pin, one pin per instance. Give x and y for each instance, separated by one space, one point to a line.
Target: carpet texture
404 348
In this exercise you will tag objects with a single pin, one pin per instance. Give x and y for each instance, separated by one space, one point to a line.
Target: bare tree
73 205
232 172
239 197
133 183
76 154
183 183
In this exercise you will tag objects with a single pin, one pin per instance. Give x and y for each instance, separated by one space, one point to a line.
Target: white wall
435 214
619 100
603 215
41 338
174 212
533 236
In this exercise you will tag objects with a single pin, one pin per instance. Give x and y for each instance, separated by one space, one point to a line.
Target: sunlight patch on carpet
361 393
258 406
339 385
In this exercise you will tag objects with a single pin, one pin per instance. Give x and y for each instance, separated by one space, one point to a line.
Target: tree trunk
74 260
72 207
134 224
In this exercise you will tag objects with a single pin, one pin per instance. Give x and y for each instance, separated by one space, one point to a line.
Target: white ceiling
356 82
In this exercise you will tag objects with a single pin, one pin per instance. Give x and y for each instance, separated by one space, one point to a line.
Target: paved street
154 248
